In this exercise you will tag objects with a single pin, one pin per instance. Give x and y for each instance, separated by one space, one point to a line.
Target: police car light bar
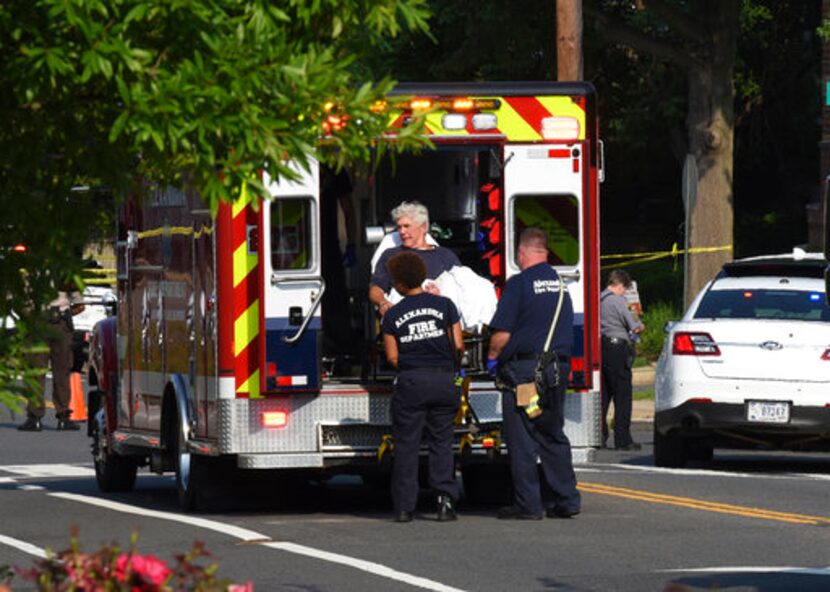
560 128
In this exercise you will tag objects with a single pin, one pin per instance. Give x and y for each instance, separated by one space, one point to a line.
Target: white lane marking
23 546
7 480
48 470
310 519
25 487
812 571
253 536
234 531
371 567
621 468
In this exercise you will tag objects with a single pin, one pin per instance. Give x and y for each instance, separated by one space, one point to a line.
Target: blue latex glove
349 257
493 367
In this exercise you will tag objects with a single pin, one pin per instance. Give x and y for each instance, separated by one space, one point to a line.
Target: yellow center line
696 504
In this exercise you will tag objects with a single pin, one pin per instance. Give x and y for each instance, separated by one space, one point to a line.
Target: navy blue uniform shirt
437 260
421 325
526 310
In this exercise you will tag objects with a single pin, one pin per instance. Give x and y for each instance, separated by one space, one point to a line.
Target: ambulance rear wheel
190 472
113 472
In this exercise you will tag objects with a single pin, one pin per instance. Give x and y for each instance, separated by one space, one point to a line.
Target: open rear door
544 186
293 283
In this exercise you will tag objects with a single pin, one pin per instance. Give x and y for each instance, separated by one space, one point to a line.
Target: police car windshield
764 304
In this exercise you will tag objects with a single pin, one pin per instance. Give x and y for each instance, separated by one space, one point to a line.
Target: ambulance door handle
311 309
569 274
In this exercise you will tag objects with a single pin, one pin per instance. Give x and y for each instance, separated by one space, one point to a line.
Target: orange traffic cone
77 402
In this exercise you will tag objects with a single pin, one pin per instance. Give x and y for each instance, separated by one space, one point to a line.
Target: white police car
99 303
748 365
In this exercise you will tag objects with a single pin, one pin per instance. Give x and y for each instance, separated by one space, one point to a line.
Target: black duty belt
615 340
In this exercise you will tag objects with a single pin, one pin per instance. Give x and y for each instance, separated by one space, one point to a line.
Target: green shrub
654 318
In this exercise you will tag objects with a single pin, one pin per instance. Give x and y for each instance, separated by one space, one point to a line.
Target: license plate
768 411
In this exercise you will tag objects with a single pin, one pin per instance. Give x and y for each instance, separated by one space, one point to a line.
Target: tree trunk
569 40
710 124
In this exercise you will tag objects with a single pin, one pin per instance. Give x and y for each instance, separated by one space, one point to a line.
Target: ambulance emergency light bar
464 112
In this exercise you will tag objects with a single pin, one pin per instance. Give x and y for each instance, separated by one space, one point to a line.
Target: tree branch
680 22
620 33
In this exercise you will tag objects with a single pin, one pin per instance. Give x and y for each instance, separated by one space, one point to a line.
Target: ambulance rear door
544 186
293 283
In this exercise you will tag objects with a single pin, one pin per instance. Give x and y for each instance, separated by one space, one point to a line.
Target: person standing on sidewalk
422 338
618 326
59 339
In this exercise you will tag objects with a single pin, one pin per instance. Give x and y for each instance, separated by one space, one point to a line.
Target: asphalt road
748 522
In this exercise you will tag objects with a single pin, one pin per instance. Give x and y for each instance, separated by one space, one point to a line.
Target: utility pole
569 40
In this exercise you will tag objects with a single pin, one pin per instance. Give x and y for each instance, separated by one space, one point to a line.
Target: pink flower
151 568
122 564
246 587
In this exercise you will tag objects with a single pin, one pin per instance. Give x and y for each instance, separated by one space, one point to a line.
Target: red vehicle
217 355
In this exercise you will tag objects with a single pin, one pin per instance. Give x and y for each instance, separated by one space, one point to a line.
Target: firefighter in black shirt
422 339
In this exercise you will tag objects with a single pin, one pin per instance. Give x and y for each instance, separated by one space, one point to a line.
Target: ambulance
217 361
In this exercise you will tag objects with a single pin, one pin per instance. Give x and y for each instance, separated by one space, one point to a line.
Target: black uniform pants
425 403
60 360
617 358
542 438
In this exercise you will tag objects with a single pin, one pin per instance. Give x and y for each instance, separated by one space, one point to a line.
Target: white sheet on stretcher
474 296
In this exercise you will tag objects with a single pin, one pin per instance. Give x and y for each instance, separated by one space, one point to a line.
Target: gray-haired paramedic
519 329
412 221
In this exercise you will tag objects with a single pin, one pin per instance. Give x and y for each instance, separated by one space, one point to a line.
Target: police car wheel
670 450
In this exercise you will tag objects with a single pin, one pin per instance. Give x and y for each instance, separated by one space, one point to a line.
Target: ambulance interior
462 187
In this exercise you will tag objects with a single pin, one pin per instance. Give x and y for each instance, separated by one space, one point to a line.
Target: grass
644 395
654 318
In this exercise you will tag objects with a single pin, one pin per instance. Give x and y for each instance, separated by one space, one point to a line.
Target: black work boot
32 424
446 509
67 425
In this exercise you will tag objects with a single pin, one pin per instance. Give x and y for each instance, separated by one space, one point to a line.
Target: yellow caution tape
636 258
99 281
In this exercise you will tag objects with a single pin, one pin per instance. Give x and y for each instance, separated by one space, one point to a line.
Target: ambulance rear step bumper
305 460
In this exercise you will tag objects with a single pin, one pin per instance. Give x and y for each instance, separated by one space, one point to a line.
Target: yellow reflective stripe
565 107
251 386
514 126
243 263
246 328
240 204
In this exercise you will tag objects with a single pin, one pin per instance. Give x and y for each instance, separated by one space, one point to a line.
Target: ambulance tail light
276 418
560 128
